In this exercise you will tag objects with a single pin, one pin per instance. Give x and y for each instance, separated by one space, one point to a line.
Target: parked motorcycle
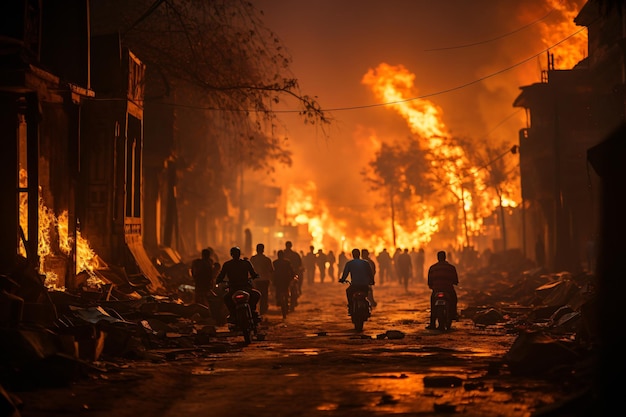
442 316
246 321
361 309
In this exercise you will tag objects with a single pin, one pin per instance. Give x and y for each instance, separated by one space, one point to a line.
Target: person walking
331 264
365 254
309 262
296 262
384 264
404 268
320 260
342 259
284 275
263 266
203 277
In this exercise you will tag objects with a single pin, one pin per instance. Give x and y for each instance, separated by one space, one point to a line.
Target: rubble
53 337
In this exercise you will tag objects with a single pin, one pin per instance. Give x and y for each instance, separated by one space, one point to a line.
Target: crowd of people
265 277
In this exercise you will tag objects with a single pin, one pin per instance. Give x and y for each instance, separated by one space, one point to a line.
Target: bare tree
400 171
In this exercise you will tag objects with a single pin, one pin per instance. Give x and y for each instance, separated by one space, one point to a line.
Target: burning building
72 121
570 111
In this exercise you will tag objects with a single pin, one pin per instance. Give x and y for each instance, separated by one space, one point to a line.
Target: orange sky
449 46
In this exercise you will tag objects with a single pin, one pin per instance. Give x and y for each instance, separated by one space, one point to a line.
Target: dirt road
315 364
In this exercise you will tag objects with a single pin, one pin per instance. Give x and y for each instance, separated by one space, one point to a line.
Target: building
569 112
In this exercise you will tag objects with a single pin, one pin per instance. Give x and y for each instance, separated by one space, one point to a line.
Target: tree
220 71
400 171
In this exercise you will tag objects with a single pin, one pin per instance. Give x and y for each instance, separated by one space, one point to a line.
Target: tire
244 323
441 317
360 314
247 337
358 325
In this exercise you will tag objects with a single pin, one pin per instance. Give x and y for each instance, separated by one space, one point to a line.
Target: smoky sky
469 58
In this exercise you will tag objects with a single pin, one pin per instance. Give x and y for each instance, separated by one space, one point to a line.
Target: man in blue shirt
361 275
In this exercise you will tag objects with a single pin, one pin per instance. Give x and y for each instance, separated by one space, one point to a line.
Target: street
315 364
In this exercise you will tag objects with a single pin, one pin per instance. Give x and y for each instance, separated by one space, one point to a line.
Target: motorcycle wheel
243 321
360 314
441 317
358 324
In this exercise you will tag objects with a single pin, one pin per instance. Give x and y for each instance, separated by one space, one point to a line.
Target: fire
302 208
463 184
566 54
50 226
395 84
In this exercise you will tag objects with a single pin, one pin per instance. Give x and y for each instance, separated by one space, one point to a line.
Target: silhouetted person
247 246
365 254
331 264
309 261
342 259
384 265
284 274
202 274
361 276
320 260
296 262
263 266
442 276
239 273
404 269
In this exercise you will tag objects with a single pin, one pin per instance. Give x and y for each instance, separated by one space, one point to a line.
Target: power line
365 106
492 39
453 88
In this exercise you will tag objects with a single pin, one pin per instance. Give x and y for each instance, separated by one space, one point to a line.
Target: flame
49 226
463 185
568 53
395 84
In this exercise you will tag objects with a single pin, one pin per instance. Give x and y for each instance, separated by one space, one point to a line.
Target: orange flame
49 224
394 84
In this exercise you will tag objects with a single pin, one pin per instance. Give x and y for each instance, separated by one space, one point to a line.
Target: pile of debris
52 338
554 317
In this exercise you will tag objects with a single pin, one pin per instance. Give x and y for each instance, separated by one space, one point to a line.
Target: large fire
464 183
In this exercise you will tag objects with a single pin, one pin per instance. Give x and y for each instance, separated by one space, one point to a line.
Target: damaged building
569 112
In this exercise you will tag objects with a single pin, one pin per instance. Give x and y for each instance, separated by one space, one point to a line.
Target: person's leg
370 296
255 296
230 305
454 299
264 289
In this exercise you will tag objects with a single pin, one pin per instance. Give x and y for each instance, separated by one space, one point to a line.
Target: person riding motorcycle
361 274
240 274
442 276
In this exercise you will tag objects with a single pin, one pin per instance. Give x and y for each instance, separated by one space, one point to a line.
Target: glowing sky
469 58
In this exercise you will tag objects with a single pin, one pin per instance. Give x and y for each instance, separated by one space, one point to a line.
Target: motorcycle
442 316
246 321
361 309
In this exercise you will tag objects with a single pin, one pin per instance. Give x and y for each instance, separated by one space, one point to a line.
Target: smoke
468 58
